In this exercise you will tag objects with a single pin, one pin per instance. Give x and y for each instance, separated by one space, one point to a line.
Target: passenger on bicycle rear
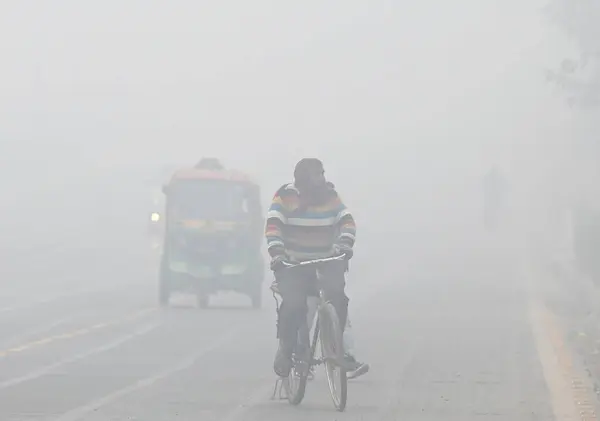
307 220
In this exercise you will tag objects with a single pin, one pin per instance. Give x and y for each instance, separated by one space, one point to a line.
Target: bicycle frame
320 299
304 340
314 305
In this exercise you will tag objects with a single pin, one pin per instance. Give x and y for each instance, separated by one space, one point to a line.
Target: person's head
309 174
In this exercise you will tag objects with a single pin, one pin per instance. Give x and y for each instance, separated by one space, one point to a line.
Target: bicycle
328 333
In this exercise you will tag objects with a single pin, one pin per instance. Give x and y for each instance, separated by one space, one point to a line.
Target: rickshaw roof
204 174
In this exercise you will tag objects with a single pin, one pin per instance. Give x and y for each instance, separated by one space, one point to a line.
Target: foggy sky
417 97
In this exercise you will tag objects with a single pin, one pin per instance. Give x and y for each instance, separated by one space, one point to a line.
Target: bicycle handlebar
314 261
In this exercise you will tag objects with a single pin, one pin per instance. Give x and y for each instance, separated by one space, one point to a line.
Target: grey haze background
407 103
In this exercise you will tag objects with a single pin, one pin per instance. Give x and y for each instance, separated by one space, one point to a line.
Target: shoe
357 368
362 368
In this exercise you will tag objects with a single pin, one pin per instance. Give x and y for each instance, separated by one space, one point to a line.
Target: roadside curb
571 304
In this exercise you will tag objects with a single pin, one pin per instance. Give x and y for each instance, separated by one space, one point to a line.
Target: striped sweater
309 232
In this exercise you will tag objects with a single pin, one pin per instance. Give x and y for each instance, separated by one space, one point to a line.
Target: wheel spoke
331 345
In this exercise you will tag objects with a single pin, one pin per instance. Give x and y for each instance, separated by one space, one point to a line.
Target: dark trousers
296 285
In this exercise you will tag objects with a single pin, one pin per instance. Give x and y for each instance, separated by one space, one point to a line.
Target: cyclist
307 220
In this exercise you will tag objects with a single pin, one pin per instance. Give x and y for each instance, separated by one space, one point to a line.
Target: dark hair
304 166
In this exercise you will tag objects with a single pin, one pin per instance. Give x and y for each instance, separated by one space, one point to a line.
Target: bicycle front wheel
295 383
332 350
296 380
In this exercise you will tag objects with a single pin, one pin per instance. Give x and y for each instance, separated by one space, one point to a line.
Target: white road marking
47 369
77 414
43 329
60 296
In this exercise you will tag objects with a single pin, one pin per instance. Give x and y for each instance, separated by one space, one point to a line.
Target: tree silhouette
579 77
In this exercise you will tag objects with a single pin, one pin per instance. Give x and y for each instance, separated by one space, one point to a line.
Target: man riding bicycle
307 220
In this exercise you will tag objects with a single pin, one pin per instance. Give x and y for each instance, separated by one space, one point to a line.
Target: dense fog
408 104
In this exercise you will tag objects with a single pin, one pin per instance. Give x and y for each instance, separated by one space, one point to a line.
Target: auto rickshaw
213 236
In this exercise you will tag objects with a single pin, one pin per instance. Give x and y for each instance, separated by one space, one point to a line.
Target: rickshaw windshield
209 199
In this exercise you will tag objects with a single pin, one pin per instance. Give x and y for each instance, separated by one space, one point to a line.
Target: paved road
445 341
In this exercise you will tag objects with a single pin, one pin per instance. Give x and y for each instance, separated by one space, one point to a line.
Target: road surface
446 340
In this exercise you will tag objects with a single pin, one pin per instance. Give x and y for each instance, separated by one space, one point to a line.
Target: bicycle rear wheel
332 349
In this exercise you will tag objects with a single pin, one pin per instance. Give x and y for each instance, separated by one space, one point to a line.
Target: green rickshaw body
213 237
